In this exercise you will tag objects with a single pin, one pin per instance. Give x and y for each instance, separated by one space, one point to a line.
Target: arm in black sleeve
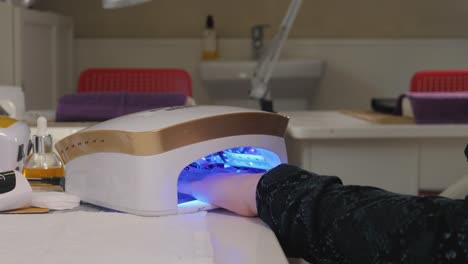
318 219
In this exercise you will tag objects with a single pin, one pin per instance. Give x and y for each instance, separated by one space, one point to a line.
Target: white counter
87 236
335 125
244 240
402 158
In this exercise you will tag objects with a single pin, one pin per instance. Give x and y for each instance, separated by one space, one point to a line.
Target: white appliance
12 102
15 191
14 143
134 163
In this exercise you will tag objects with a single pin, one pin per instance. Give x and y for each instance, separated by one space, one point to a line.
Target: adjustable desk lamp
264 69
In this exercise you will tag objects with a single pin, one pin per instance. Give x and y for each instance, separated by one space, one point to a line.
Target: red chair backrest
135 80
440 81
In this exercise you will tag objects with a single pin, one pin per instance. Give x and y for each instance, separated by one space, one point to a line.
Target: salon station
108 107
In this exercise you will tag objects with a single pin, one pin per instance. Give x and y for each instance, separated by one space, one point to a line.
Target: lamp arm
264 69
112 4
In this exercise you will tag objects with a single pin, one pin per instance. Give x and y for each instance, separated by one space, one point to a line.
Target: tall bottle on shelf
210 40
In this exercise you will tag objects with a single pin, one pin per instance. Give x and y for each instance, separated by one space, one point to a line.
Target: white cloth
55 200
88 237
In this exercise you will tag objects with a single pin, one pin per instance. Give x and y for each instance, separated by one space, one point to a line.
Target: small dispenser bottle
210 41
43 168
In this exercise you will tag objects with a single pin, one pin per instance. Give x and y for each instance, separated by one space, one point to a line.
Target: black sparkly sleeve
318 219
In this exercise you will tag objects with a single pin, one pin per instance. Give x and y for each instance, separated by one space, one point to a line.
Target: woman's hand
234 192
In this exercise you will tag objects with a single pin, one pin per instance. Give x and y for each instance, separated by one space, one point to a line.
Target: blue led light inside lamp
240 160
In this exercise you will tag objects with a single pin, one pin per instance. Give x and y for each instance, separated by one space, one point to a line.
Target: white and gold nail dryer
134 163
14 142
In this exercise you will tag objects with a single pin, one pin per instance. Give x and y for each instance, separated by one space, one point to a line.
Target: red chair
135 80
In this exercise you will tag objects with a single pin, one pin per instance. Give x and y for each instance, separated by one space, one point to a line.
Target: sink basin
287 69
291 84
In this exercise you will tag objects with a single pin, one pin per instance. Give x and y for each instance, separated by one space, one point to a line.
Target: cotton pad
55 200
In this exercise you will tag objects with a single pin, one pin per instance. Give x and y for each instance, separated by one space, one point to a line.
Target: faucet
257 34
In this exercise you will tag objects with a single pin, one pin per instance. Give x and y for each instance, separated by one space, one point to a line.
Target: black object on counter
384 105
7 181
466 152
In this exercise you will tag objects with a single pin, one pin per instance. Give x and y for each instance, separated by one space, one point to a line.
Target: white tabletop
244 240
336 125
87 235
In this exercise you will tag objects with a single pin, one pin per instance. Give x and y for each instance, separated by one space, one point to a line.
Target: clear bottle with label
210 40
43 168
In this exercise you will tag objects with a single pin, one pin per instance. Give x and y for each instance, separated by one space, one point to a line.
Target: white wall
360 69
356 69
6 45
316 19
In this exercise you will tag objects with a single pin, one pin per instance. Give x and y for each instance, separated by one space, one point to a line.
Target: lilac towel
104 106
439 107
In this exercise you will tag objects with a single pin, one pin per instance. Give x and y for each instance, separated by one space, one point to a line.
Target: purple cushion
104 106
439 107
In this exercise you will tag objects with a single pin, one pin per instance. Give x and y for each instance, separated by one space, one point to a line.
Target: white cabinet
37 52
388 164
400 158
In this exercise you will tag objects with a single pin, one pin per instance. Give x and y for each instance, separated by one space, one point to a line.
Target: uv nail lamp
14 142
136 162
15 191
